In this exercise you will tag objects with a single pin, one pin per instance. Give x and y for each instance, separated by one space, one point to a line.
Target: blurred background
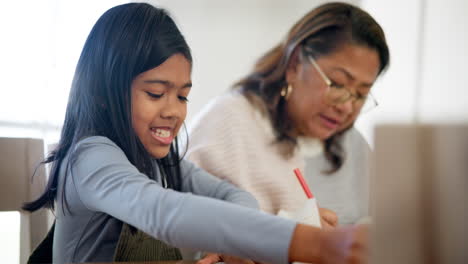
42 40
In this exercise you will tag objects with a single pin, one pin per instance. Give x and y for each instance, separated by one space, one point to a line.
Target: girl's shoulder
95 140
97 143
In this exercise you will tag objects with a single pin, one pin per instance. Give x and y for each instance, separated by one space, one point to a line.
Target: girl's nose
173 109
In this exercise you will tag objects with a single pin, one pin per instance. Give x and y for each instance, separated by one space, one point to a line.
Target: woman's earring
286 91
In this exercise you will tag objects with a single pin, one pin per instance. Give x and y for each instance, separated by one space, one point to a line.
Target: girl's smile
164 135
159 104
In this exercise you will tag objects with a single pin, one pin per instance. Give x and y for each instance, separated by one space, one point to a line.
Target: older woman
296 109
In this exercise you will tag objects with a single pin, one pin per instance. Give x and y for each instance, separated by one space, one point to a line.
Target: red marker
309 213
303 183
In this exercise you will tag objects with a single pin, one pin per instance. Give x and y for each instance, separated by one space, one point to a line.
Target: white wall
395 90
444 96
227 37
427 80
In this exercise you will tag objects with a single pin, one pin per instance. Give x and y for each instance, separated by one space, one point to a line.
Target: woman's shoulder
226 108
230 120
354 138
356 145
229 101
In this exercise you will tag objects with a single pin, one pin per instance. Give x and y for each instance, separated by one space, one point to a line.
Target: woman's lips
328 122
162 135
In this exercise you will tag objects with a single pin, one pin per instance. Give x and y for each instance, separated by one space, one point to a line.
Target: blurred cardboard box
419 194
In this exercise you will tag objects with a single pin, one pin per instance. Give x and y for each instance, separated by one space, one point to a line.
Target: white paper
307 214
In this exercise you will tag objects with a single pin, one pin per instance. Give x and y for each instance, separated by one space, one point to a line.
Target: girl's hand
345 245
212 258
328 218
209 258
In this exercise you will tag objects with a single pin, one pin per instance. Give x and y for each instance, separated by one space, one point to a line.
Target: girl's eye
153 95
183 98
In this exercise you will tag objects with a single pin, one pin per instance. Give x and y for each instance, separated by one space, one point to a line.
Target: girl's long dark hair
126 40
320 32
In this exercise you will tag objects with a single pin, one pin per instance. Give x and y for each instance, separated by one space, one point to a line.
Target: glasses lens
337 95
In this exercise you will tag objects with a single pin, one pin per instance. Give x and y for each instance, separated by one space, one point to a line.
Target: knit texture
232 140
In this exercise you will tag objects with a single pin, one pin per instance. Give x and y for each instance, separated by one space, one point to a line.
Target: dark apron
138 246
132 246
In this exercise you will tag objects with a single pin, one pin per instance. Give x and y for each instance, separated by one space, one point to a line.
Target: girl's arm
200 182
107 182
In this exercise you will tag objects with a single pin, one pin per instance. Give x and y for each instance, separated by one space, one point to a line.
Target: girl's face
159 103
352 67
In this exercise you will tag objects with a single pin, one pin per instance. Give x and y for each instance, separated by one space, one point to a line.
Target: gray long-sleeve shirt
346 191
104 187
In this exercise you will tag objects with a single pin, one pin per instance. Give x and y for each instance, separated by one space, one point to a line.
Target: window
40 48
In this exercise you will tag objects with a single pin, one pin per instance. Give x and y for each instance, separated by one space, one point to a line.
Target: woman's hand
328 218
212 258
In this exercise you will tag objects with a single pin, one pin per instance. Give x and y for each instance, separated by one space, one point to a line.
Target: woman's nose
346 107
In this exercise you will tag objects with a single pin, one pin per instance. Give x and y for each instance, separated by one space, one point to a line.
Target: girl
121 192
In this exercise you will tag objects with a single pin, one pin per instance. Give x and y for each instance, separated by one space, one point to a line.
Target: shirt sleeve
107 182
360 156
200 182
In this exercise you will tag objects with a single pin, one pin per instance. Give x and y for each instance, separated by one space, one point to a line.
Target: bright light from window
40 48
10 236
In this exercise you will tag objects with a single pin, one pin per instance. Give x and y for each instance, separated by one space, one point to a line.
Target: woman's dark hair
322 31
126 40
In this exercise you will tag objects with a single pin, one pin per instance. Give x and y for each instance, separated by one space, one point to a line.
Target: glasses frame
350 96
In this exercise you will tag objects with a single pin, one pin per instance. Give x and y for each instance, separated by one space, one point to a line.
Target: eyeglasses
339 95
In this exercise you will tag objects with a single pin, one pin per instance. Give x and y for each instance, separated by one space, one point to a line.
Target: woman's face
159 103
353 67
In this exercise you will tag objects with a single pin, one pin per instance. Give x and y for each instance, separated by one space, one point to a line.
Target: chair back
19 158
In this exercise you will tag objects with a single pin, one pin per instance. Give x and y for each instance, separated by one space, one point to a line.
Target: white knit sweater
231 139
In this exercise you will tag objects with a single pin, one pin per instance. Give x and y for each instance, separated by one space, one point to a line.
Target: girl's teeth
162 133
